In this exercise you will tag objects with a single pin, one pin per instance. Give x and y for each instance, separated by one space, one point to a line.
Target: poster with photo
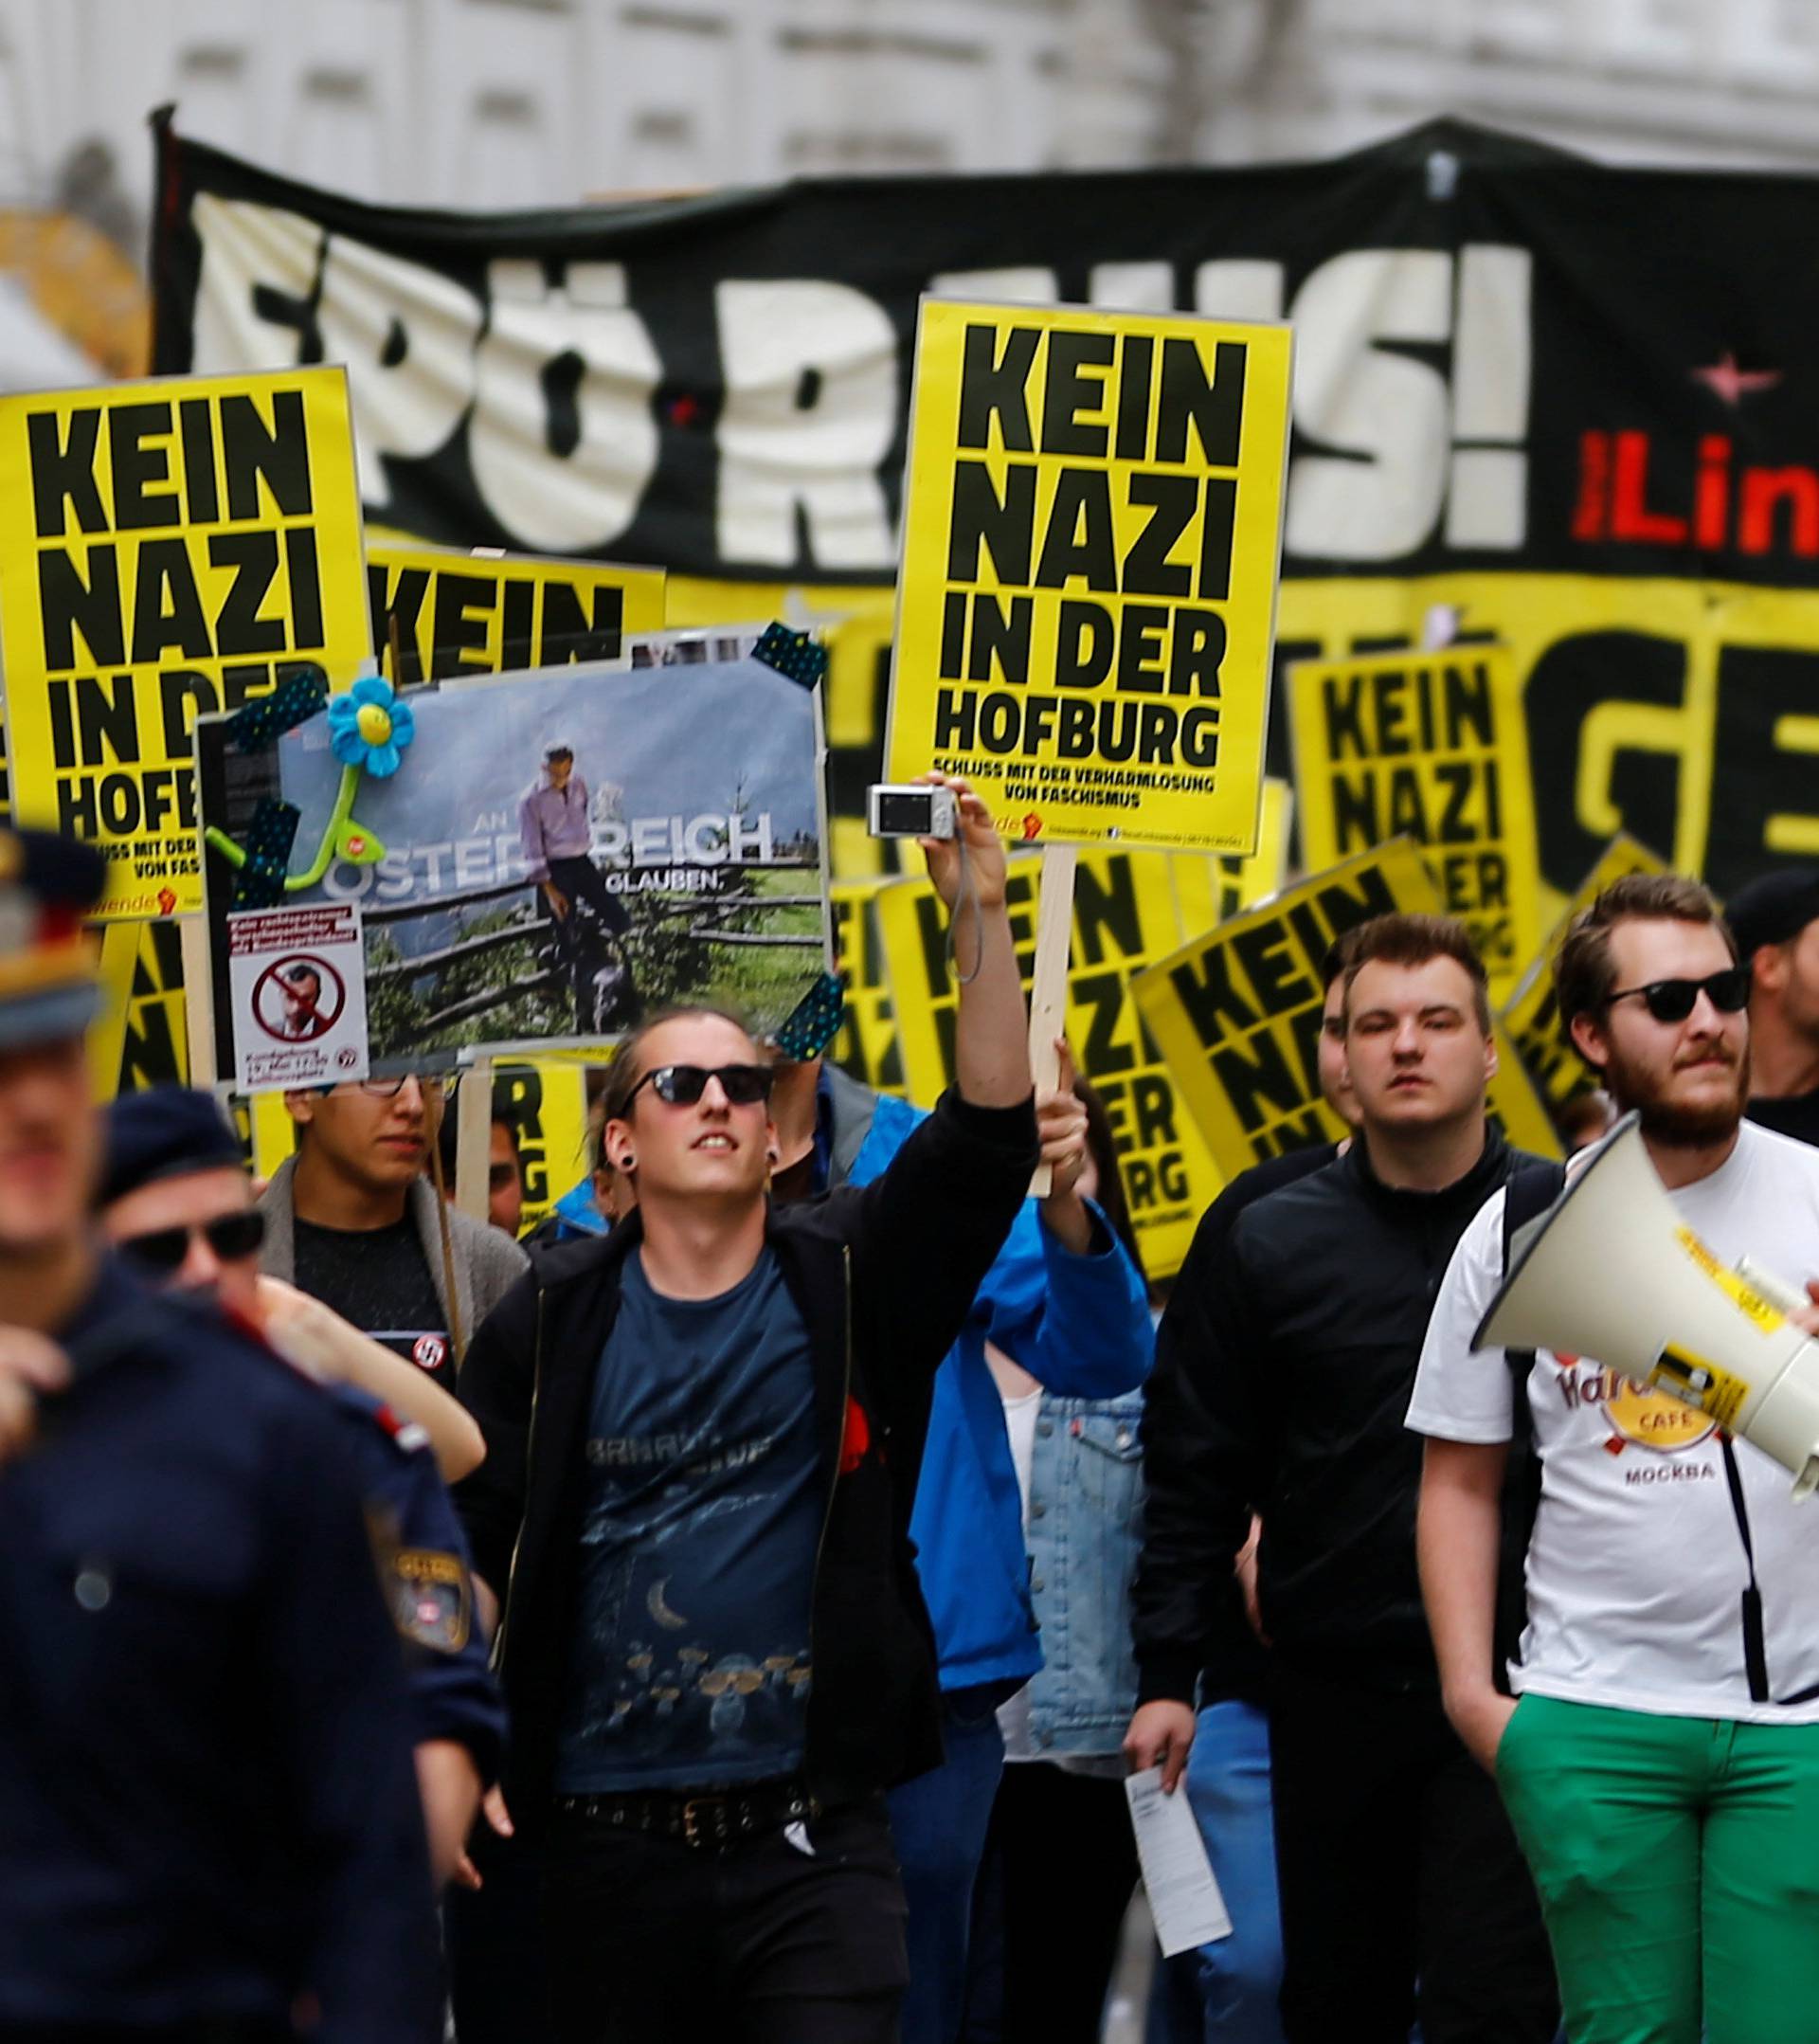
300 997
542 860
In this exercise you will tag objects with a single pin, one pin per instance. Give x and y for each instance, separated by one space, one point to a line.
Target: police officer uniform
210 1828
173 1132
424 1568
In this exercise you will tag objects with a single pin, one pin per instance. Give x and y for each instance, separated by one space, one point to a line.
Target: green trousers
1677 1861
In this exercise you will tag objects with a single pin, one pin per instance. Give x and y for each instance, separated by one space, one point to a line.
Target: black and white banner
1562 405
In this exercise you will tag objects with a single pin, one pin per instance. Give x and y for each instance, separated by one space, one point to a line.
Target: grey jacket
487 1261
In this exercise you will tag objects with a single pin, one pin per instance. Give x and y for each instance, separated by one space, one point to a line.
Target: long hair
1104 1153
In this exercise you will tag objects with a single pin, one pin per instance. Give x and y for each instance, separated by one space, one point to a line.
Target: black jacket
884 1277
1281 1389
1233 1661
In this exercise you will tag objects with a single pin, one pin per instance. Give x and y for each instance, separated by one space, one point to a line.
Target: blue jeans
939 1822
1227 1992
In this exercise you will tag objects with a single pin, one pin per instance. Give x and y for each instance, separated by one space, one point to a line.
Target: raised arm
930 1227
1064 1299
991 1034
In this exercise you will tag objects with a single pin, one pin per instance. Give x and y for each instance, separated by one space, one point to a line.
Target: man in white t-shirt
1661 1761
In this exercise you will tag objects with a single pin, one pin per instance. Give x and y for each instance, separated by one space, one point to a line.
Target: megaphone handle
1784 1297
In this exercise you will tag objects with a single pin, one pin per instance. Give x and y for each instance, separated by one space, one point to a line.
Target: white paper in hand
1184 1899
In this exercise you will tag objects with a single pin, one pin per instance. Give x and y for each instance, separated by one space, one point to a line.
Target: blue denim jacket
1086 1527
1081 1326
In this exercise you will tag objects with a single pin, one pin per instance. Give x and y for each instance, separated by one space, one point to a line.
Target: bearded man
1660 1759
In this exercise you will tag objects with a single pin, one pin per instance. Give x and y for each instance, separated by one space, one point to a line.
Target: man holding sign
1086 601
705 1425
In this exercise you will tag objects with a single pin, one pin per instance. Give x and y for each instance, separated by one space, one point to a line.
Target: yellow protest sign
1125 915
272 1131
1532 1015
854 701
1208 890
117 946
457 614
1236 1013
166 549
153 1045
1644 698
1085 606
1429 746
867 1044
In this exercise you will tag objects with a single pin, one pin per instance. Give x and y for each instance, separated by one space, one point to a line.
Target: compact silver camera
911 809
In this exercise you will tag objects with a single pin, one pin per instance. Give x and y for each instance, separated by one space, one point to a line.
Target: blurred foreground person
178 1208
1399 1877
702 1431
209 1827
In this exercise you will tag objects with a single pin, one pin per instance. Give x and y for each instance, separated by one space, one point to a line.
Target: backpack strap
1530 1190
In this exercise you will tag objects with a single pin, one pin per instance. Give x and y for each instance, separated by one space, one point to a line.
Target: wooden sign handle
472 1136
1049 984
198 1000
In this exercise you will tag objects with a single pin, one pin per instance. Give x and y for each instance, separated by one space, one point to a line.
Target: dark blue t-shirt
691 1662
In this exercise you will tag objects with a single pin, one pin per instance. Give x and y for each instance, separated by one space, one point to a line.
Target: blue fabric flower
370 728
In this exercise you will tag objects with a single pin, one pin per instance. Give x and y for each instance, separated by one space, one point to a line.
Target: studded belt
714 1820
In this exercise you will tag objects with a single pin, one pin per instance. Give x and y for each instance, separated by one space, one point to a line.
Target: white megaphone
1612 1272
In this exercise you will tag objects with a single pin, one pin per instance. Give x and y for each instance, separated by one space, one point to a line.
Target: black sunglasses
1672 1001
683 1085
160 1251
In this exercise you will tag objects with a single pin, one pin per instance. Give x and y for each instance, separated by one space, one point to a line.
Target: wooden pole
1049 983
198 1000
473 1137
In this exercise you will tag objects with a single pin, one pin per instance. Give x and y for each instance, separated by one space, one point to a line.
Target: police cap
165 1132
48 987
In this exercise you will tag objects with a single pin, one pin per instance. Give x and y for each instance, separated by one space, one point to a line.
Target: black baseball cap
1773 907
167 1131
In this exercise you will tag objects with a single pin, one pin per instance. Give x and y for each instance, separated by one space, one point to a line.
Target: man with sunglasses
177 1208
1660 1756
704 1434
353 1220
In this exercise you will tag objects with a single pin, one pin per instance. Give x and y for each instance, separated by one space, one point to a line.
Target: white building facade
495 104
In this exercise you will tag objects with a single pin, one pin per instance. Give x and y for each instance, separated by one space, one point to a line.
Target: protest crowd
650 1439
